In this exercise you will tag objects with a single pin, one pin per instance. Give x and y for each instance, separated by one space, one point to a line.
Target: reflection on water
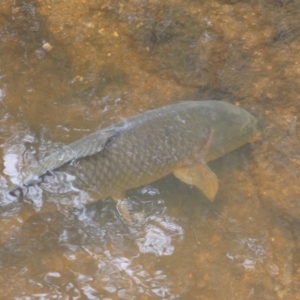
71 67
97 255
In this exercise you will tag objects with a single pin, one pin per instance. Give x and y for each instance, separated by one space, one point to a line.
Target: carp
179 138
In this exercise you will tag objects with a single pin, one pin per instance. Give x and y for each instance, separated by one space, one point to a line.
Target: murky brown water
70 67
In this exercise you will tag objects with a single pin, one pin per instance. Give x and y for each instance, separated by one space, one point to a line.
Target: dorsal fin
86 146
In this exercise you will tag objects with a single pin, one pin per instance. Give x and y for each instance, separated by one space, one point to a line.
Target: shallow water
69 68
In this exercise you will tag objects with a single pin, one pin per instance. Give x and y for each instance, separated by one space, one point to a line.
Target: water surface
69 68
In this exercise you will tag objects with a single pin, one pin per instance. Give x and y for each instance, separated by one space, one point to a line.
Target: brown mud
71 67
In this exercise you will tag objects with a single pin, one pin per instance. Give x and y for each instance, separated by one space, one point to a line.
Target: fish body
178 139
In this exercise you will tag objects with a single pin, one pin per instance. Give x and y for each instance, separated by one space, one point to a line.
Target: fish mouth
257 132
257 137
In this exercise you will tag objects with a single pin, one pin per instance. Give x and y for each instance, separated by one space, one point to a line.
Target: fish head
232 127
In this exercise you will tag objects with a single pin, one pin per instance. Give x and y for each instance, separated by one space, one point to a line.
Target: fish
177 139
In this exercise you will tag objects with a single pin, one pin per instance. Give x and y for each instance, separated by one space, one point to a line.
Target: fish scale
149 146
112 170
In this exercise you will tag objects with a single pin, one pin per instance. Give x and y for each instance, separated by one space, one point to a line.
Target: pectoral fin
200 176
122 207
